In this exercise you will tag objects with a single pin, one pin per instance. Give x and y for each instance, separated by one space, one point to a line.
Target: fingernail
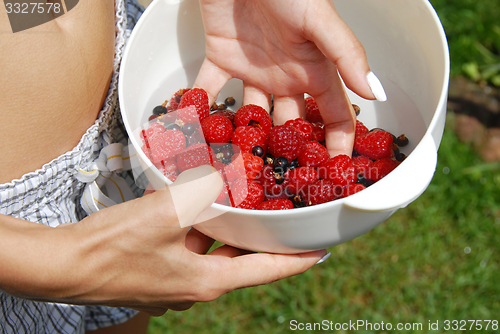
376 87
324 258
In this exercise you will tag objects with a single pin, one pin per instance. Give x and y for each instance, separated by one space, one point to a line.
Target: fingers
339 118
288 107
181 306
341 46
211 78
254 95
150 310
229 251
258 268
197 242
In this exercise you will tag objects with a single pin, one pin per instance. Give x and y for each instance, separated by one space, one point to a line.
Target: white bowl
406 48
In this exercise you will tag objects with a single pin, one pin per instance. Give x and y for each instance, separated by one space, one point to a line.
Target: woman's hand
287 48
137 255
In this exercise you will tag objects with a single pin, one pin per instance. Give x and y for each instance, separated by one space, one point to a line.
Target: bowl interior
404 44
406 48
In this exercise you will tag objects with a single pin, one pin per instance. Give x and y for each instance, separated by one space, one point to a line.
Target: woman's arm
136 255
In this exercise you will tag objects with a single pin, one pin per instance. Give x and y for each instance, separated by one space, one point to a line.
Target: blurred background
437 259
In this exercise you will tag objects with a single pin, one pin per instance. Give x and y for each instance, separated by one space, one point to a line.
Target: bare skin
135 254
41 100
40 97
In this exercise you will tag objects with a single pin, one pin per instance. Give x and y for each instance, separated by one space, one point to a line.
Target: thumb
193 191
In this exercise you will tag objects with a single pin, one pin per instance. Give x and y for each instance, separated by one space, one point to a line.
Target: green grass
413 268
473 31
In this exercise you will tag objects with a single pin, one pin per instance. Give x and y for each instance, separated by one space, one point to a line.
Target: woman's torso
53 83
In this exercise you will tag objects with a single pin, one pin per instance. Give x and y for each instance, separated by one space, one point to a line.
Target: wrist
33 258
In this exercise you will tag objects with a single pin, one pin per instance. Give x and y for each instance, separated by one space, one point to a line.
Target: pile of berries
264 167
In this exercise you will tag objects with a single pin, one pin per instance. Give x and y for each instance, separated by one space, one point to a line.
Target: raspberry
226 113
196 137
321 191
362 165
163 145
338 169
247 137
279 167
304 127
314 155
253 115
173 104
253 165
217 129
382 167
353 188
224 194
167 119
168 168
276 204
375 145
223 197
194 156
198 98
285 141
154 129
300 179
235 169
246 194
267 178
318 132
361 129
312 110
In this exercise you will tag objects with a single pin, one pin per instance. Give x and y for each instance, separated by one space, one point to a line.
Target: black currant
173 126
356 108
297 201
230 101
268 159
258 151
188 129
159 110
281 165
364 181
402 140
400 156
279 178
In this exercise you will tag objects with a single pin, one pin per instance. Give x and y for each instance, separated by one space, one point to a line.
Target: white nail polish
376 87
323 259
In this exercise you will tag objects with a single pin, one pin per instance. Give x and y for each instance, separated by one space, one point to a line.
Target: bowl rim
440 107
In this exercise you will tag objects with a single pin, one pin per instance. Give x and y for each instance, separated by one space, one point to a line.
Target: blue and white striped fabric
51 196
